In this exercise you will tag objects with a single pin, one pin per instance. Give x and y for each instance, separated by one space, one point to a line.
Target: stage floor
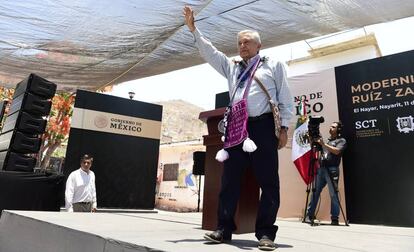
27 231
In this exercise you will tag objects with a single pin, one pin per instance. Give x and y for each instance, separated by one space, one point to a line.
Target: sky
199 84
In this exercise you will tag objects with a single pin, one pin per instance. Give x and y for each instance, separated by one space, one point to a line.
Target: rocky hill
180 122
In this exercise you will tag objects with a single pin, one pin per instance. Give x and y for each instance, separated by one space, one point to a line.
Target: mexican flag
301 150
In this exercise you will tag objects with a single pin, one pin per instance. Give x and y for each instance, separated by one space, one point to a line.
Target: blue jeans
322 178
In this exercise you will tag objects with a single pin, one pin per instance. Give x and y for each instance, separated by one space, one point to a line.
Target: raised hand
189 18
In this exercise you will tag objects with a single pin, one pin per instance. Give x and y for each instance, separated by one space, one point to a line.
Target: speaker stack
20 137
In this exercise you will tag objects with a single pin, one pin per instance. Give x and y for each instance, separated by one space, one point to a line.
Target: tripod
315 154
316 150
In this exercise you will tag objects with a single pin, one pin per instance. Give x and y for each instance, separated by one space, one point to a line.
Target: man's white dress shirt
80 187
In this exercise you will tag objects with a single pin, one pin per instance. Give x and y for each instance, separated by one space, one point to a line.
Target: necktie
242 66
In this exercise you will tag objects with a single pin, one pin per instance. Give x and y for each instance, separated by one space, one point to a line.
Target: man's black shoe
335 223
266 244
309 219
217 236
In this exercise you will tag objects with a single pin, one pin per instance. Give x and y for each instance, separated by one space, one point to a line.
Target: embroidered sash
236 116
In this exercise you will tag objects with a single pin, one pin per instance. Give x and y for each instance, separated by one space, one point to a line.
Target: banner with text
123 136
376 105
318 89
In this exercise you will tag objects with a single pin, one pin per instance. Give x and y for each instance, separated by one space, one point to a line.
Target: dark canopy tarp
91 44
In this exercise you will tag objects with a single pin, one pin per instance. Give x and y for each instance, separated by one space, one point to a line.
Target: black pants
82 207
264 162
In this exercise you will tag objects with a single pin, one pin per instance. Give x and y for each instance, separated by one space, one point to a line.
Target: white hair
254 34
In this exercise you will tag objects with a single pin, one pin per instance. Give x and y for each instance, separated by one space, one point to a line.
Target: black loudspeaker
17 162
3 106
30 103
25 123
199 158
20 137
35 85
222 100
19 142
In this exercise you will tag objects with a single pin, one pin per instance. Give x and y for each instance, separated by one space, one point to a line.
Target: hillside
180 122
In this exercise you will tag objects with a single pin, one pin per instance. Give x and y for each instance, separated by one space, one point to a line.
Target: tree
57 130
6 94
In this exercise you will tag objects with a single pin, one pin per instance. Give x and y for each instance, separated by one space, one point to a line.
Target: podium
245 217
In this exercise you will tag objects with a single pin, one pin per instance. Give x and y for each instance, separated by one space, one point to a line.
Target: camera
313 127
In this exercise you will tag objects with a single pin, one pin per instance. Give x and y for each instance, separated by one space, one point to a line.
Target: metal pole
199 191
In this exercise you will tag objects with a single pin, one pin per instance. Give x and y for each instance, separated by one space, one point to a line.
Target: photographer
328 172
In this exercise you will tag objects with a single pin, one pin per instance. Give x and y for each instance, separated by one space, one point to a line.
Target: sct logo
366 124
